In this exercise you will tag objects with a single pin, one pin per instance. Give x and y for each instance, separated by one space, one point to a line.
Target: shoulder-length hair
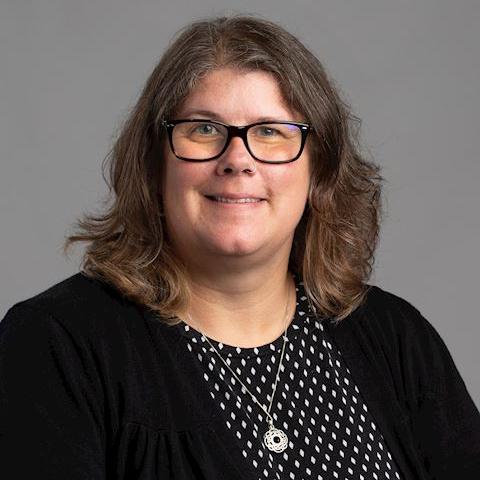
335 240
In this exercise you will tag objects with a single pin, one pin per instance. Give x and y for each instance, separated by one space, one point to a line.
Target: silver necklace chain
274 439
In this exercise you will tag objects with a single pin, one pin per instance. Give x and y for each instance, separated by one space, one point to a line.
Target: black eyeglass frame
236 131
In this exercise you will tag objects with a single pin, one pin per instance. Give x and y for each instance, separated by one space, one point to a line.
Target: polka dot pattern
331 433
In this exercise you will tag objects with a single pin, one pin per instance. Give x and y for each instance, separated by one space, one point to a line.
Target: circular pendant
275 440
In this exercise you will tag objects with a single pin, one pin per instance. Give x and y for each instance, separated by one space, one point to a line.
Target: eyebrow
215 116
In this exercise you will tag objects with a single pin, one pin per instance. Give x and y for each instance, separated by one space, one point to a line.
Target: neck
242 309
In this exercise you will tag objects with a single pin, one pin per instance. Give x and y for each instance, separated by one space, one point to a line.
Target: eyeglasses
199 140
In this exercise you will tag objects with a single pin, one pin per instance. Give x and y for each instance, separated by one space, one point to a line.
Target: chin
235 247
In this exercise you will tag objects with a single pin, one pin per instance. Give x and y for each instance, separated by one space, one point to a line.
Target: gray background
71 69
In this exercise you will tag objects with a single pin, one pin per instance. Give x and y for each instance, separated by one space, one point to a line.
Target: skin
236 255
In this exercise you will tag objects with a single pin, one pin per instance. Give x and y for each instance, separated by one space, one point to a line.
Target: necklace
274 439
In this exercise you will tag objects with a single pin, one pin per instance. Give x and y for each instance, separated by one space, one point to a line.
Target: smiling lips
235 198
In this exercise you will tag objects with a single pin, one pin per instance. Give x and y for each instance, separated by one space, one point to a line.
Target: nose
236 159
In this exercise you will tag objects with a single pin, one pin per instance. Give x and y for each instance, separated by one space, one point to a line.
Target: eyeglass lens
268 142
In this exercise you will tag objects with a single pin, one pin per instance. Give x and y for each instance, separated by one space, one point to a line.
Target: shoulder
394 333
78 290
78 305
389 314
395 320
381 300
389 326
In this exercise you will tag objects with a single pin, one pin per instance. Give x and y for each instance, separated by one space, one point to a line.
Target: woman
222 326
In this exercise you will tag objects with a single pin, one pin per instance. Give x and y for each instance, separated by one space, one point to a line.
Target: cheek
184 182
179 178
293 185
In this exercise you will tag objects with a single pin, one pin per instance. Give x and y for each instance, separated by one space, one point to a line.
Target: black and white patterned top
331 433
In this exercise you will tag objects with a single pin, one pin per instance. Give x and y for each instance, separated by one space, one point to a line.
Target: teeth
236 200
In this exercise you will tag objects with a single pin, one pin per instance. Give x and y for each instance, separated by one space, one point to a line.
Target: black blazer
94 387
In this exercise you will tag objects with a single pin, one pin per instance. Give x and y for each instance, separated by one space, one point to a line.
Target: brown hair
334 243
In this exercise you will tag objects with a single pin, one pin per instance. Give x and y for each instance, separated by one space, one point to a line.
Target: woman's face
200 227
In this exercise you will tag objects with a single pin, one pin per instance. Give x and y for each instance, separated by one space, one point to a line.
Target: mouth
234 198
241 200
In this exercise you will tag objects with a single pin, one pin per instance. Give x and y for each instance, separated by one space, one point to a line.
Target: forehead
237 97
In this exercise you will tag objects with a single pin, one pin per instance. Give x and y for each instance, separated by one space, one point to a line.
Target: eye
265 131
205 129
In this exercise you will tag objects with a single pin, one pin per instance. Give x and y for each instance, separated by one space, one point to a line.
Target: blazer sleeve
51 413
446 421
